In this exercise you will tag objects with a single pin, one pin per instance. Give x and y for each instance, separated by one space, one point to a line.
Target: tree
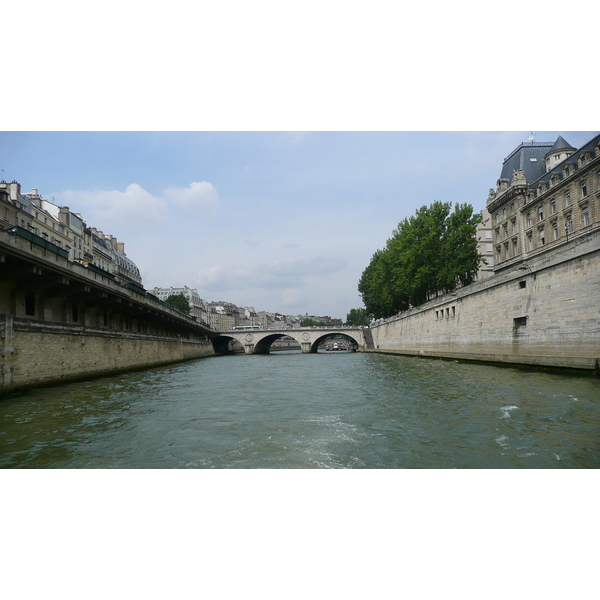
311 323
357 316
431 253
180 302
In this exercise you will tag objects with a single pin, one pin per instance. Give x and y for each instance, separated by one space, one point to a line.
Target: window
567 198
583 185
528 219
75 313
488 247
504 213
488 235
568 224
541 213
555 230
522 284
514 225
553 206
586 216
505 231
514 244
453 312
30 304
542 238
520 322
529 242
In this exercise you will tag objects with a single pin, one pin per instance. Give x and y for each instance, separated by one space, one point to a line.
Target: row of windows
447 313
581 191
535 240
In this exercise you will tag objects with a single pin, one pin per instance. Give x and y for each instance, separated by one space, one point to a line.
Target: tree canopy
431 253
311 323
180 302
357 316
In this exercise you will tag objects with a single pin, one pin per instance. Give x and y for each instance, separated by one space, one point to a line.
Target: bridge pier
248 348
306 347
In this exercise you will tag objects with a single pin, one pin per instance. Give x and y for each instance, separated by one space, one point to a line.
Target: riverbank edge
579 365
36 356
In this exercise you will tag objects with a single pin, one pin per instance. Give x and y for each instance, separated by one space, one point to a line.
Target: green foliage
431 253
311 323
357 316
180 302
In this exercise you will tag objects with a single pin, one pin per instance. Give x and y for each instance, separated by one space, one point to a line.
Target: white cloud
200 195
289 275
135 204
301 266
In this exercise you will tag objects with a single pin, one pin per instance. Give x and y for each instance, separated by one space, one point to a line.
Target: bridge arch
349 338
260 341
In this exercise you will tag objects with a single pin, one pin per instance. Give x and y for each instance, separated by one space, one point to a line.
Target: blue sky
168 129
280 221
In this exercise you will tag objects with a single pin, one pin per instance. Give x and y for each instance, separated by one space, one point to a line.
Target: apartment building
548 194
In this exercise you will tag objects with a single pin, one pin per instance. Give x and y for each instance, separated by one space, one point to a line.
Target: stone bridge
258 341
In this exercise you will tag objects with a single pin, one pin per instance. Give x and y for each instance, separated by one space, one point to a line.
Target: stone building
547 194
59 228
198 307
485 245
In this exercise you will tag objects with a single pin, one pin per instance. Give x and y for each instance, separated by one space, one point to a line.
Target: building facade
485 245
65 232
547 195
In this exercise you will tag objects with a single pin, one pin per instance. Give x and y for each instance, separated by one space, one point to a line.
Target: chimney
63 216
15 190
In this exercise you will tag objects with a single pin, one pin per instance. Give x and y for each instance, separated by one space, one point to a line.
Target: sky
280 221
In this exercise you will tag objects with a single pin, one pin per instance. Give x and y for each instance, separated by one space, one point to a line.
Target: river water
305 411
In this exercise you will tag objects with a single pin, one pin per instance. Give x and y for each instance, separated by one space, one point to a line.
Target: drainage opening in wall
520 322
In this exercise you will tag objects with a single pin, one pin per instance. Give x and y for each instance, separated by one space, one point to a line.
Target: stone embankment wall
37 354
546 314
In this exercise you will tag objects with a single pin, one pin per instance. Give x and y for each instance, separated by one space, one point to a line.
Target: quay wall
37 354
544 314
61 320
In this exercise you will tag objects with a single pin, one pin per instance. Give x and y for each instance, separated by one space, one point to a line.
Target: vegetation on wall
431 253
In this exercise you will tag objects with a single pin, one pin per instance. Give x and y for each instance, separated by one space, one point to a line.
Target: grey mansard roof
529 156
561 144
558 170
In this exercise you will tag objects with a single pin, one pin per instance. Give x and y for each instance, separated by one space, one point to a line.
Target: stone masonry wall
35 354
546 314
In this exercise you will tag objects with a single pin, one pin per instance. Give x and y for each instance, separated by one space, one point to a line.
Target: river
305 411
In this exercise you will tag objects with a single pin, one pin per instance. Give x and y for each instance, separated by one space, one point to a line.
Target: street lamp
524 267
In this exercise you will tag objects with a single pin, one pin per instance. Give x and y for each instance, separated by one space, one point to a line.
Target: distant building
198 307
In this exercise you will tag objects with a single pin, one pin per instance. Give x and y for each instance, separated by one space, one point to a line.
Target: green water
290 410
